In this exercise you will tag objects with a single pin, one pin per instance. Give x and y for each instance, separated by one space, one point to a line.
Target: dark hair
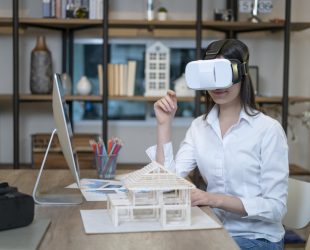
235 49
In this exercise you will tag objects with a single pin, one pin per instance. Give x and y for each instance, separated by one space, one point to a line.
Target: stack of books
92 9
121 79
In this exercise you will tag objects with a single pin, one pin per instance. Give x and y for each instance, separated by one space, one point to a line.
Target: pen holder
106 166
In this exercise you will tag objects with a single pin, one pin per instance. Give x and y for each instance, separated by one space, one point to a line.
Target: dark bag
16 209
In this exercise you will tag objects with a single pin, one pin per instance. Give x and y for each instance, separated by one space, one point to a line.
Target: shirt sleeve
184 161
168 155
271 205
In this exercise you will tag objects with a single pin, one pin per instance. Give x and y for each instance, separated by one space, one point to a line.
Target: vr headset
213 73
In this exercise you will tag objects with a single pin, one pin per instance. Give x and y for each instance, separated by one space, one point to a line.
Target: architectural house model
157 70
154 194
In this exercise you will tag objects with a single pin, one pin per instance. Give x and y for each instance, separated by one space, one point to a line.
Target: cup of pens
106 159
106 166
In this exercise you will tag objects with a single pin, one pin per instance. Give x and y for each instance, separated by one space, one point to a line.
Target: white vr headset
214 73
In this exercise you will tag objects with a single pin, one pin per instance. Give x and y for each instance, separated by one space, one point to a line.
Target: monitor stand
64 197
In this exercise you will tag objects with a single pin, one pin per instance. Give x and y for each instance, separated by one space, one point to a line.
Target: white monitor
64 132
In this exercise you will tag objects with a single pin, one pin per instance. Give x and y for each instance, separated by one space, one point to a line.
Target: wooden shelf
221 26
48 98
278 99
150 25
90 23
242 26
55 23
6 97
300 26
43 98
298 170
224 26
5 21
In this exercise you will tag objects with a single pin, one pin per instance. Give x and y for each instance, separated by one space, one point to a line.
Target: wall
266 51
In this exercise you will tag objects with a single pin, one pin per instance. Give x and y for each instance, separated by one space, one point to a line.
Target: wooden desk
66 230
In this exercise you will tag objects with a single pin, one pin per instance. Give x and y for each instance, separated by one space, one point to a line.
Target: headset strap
244 68
214 49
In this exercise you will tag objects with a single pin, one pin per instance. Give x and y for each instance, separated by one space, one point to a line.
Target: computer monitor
64 132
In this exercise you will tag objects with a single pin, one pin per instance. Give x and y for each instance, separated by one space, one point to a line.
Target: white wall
266 51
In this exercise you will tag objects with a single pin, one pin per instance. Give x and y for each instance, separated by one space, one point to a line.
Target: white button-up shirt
249 162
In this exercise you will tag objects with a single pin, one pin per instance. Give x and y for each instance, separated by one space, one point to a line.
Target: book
63 8
131 77
92 9
125 80
116 79
123 69
100 79
58 8
99 8
110 79
53 8
46 8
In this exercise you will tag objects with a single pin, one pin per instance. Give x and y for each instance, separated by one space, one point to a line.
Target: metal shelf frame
68 27
67 66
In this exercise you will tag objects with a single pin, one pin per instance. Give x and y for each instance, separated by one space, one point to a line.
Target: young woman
241 154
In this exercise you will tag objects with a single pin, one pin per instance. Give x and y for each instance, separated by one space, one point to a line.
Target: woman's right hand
165 108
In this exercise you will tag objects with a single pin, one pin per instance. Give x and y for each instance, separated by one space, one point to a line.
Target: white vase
162 16
66 83
83 86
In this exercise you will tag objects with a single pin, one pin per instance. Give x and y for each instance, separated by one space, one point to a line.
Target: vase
41 73
150 10
66 83
83 86
162 16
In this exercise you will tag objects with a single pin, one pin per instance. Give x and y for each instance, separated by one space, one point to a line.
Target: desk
66 230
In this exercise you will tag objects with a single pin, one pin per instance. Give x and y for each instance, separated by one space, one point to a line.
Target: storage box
55 158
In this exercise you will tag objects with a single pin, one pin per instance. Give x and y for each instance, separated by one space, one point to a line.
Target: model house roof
155 177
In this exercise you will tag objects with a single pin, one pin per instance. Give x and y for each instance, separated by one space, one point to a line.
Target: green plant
162 9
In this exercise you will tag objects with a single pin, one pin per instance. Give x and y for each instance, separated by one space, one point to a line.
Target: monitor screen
63 126
64 132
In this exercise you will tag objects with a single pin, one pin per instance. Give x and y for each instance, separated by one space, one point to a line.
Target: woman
241 154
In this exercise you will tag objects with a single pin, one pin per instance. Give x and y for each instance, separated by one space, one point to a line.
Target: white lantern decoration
157 70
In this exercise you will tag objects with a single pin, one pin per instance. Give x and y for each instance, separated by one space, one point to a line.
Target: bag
16 209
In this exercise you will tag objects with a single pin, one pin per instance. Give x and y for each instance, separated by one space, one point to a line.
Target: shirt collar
246 117
213 116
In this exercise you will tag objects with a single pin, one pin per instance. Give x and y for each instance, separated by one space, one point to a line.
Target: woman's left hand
225 202
199 197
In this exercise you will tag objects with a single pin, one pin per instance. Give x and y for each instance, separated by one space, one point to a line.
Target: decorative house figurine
181 88
157 70
154 194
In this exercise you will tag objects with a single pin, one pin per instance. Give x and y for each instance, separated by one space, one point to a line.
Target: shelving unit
92 98
116 27
67 28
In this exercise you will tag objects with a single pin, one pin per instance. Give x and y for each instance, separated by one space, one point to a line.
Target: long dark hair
235 49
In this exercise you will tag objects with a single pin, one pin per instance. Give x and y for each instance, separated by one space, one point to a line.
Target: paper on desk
94 183
98 221
97 189
95 194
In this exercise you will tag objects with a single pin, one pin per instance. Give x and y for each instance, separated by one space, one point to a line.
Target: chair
298 205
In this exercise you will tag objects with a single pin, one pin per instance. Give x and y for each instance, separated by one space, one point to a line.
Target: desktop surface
66 230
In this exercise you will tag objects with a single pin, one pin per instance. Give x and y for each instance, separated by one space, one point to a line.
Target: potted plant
162 14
